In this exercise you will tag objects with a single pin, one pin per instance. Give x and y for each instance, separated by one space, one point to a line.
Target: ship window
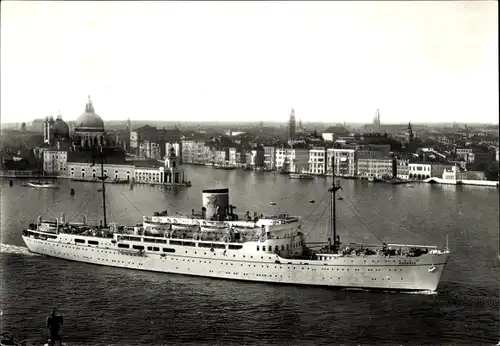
257 247
168 250
276 248
93 242
204 245
138 247
175 242
125 246
189 243
235 247
219 246
161 241
81 241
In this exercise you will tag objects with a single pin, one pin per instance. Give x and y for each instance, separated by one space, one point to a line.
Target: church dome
61 129
89 119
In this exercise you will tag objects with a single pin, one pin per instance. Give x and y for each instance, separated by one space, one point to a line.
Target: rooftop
145 163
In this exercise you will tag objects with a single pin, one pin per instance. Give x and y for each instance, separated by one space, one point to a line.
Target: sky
251 61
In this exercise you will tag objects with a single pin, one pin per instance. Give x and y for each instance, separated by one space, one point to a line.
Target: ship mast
333 190
102 178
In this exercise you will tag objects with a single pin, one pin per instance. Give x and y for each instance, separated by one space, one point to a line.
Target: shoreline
394 181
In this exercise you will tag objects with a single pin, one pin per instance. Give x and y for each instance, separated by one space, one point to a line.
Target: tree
23 127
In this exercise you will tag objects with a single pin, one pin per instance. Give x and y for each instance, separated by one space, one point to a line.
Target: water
112 306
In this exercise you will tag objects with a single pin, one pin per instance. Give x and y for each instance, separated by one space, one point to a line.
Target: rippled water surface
111 306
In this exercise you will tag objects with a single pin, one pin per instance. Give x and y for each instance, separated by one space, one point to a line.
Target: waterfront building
240 158
380 168
345 162
317 160
195 151
149 150
55 162
169 173
419 171
437 169
232 157
269 157
91 172
220 156
454 173
292 160
176 147
257 157
402 169
149 142
475 175
248 159
466 154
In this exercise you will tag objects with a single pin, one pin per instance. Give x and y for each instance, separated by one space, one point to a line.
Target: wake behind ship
218 243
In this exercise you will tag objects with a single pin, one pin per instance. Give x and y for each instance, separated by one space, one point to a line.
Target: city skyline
330 61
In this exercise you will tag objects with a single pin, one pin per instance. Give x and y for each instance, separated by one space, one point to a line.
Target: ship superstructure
218 243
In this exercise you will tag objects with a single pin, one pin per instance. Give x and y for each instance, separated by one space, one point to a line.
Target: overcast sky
331 61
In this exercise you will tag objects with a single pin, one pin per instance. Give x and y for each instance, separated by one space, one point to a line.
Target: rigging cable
91 199
357 214
111 212
317 205
282 209
132 204
363 222
78 207
320 217
400 226
316 223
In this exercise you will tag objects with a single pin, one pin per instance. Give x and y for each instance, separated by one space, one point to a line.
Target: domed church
56 132
89 129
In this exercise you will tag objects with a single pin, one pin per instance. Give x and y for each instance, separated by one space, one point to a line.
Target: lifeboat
182 227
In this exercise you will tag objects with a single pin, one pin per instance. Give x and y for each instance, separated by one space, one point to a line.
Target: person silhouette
54 323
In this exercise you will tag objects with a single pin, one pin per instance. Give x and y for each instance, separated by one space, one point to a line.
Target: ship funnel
216 202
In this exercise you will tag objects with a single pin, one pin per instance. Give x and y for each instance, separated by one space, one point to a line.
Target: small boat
42 184
301 176
340 198
311 201
272 203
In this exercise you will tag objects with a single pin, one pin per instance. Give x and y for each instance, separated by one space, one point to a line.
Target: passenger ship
216 243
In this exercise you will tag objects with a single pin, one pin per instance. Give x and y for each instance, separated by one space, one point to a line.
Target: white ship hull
370 272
